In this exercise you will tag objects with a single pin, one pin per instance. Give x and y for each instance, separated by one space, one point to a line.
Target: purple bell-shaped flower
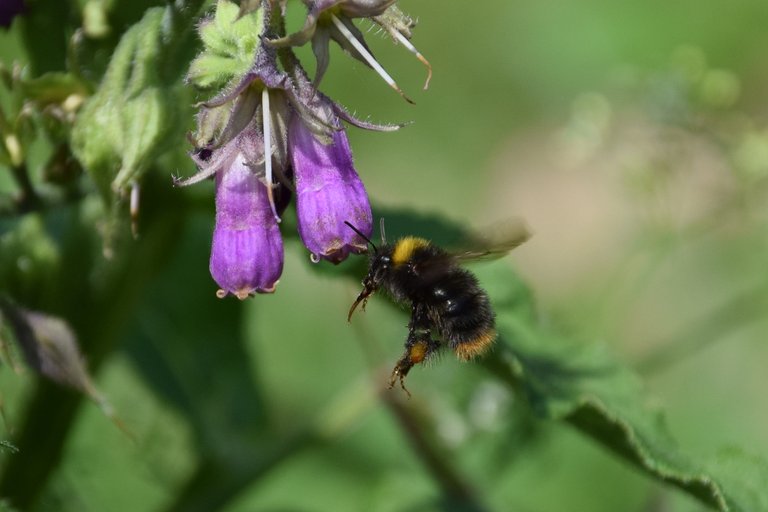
328 192
247 250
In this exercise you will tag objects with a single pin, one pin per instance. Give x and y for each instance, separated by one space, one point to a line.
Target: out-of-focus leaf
131 119
180 344
585 387
2 412
50 348
6 507
97 298
29 260
52 88
45 34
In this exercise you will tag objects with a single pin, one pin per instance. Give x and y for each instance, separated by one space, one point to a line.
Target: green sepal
210 71
230 43
211 124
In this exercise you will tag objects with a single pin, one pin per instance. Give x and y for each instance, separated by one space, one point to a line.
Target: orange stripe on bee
478 345
405 247
417 352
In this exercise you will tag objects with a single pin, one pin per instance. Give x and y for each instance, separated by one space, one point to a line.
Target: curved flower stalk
332 20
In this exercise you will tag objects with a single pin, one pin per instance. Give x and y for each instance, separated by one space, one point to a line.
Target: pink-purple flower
328 193
247 250
272 134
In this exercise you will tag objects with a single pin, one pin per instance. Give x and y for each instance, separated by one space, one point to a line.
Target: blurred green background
631 136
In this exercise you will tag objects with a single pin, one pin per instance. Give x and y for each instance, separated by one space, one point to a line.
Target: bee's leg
418 346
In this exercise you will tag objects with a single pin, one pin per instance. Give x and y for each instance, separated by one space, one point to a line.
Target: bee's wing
495 241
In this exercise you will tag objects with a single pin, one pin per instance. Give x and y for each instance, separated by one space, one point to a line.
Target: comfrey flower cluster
271 134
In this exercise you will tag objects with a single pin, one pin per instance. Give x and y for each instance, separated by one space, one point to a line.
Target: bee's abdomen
462 314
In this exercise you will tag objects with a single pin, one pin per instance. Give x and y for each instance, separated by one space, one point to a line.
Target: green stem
28 199
456 490
454 486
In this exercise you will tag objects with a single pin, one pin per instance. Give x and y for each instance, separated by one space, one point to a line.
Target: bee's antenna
383 233
362 235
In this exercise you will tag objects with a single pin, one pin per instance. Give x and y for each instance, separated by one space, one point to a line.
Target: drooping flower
269 133
328 193
247 250
242 141
262 94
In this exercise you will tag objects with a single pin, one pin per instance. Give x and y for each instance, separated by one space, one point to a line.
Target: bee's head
377 271
379 265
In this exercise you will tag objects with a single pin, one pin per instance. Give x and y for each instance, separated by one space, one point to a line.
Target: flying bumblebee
445 299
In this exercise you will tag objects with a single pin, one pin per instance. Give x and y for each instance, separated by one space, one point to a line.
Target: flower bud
328 192
247 250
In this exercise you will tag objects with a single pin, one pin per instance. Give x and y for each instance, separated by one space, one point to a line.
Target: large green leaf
584 386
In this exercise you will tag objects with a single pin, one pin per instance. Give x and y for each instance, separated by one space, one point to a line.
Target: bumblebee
445 299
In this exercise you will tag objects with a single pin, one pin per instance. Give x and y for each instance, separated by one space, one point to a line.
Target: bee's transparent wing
494 241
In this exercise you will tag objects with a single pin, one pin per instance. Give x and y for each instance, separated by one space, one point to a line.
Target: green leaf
50 348
585 387
213 32
134 116
191 351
